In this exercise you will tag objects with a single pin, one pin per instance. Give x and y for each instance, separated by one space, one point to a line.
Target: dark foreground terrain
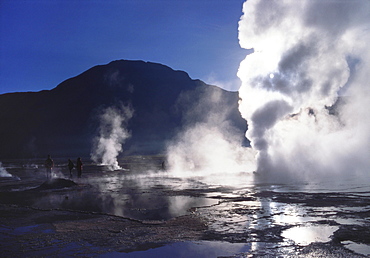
143 211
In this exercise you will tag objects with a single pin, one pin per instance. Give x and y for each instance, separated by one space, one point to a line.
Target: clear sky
44 42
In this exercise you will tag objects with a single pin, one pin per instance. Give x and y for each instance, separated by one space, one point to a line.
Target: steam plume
3 172
209 143
112 134
306 53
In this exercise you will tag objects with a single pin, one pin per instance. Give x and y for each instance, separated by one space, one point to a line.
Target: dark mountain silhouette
63 121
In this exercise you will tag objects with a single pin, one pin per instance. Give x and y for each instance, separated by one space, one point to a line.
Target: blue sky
44 42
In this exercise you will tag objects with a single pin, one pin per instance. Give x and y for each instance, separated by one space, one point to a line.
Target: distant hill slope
64 121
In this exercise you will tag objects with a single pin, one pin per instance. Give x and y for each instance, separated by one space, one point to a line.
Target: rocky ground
253 221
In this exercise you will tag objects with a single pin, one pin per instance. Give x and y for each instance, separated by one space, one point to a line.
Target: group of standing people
49 164
78 167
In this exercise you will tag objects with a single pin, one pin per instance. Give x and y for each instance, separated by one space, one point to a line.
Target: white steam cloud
3 172
112 134
210 144
306 53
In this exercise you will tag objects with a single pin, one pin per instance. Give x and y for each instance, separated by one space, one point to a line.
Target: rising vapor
112 134
306 54
3 172
209 143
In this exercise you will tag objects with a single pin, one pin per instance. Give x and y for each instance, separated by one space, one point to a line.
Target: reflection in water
358 248
180 205
273 221
142 196
264 219
305 235
287 214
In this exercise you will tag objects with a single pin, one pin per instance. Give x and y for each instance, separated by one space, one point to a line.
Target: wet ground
144 211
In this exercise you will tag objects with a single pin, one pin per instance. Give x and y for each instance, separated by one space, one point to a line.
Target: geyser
305 87
112 134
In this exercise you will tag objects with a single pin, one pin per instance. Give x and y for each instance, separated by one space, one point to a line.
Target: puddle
140 206
283 219
357 248
305 235
151 207
345 221
222 195
202 249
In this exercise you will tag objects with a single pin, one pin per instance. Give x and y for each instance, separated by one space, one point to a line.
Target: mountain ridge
63 121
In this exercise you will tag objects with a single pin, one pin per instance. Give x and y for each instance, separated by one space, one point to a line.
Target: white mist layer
305 53
209 146
208 149
112 134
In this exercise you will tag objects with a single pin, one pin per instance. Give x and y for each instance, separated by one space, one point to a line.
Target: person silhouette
70 167
79 167
49 164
